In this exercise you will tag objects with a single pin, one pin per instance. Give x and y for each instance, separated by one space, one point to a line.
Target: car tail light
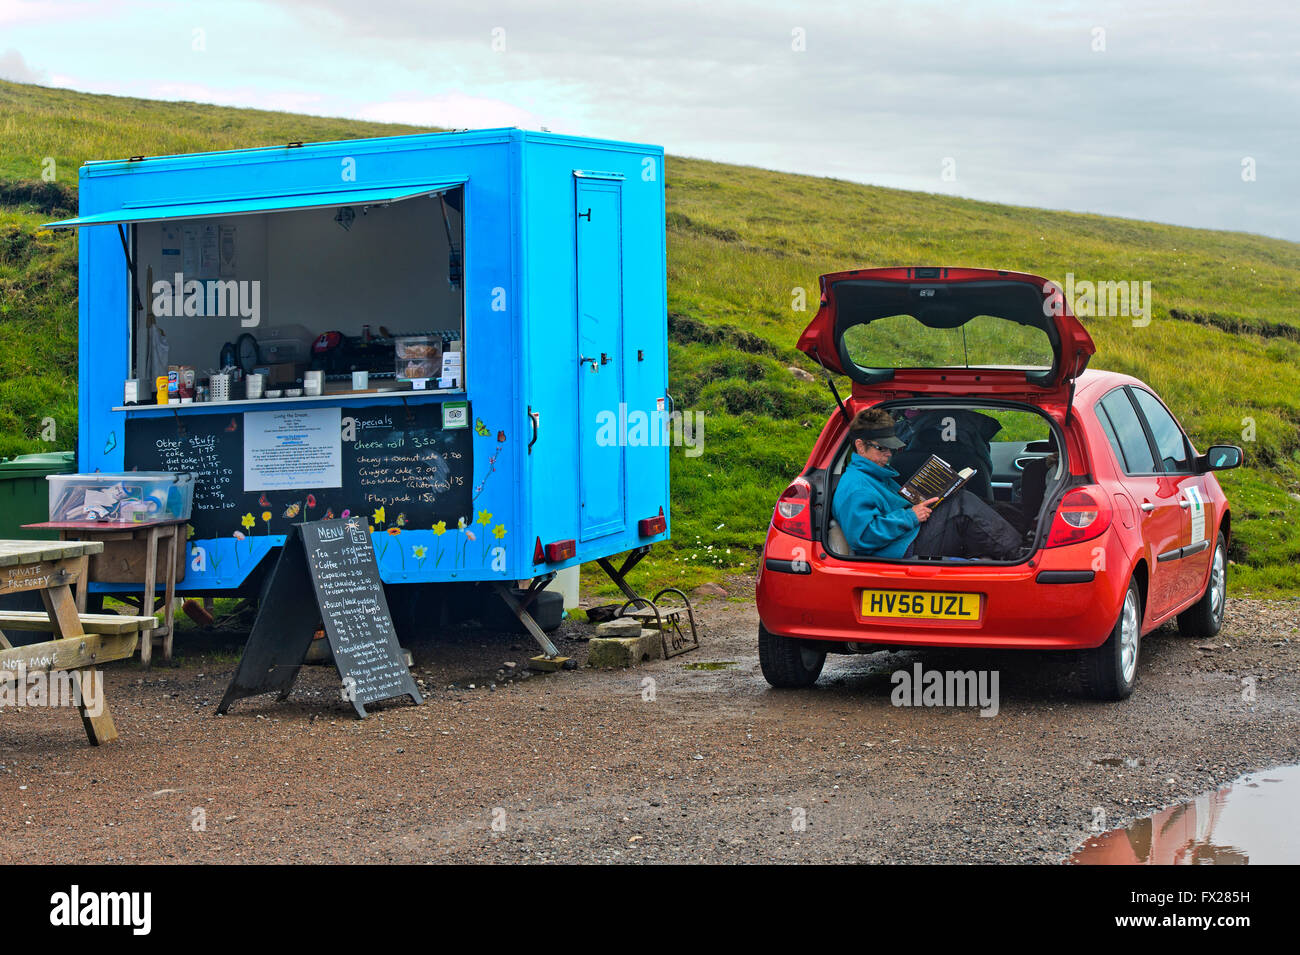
1084 513
793 514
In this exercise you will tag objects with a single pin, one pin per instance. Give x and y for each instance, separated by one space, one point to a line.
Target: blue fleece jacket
873 514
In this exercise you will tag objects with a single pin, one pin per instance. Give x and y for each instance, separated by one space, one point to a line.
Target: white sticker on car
1198 514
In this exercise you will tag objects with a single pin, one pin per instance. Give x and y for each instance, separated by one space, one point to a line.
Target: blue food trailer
460 336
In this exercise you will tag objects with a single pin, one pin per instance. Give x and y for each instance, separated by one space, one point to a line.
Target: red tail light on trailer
650 526
555 551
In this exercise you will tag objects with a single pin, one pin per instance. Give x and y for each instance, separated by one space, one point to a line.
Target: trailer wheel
788 663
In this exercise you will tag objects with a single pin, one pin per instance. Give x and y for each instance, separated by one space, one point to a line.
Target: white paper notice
287 450
208 245
171 249
227 252
190 245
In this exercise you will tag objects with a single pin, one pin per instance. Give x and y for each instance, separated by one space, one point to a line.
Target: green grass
745 249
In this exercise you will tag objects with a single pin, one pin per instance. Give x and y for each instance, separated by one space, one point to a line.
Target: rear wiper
830 383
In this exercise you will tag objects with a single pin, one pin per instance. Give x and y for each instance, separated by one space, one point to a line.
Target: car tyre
1205 617
1110 671
788 663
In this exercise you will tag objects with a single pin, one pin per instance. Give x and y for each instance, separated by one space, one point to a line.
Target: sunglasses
879 447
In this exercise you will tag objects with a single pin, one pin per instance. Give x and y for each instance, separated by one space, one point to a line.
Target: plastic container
220 387
417 356
130 497
24 494
566 582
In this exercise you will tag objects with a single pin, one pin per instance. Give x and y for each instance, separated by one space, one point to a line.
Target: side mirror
1220 457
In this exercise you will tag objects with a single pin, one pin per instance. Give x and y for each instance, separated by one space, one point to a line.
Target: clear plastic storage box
418 356
131 497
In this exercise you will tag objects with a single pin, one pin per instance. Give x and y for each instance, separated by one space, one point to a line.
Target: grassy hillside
1223 346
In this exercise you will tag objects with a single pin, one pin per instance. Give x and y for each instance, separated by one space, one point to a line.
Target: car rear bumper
1056 601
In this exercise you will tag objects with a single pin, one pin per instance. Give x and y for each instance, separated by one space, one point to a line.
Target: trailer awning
133 212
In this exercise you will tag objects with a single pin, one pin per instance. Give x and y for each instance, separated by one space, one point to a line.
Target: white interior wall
388 269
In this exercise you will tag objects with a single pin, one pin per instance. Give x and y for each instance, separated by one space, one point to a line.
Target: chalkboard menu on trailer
334 561
254 471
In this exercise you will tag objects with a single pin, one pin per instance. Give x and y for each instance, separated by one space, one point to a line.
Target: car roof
1097 381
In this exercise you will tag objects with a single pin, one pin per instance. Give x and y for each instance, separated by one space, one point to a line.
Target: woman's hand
925 509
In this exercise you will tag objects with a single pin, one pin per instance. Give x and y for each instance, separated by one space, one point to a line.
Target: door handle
605 359
1148 507
583 360
1184 504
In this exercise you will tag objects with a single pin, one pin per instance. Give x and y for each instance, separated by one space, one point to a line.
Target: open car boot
1014 454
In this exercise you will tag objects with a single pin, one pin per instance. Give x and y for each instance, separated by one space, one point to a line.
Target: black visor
885 437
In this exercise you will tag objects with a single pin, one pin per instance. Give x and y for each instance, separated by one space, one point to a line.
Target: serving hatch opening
303 291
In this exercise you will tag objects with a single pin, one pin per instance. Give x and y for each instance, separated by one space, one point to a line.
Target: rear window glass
901 341
1126 434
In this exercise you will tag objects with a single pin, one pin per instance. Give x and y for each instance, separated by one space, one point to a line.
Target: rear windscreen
993 324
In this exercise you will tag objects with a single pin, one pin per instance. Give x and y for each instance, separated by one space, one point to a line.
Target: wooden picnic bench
81 641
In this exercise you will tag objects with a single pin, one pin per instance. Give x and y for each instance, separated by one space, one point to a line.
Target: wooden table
144 567
80 641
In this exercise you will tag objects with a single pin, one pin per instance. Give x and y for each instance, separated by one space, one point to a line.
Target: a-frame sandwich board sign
335 562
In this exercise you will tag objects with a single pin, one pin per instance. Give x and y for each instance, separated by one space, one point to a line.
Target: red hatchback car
1124 526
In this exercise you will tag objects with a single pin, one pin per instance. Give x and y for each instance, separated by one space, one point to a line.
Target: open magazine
936 478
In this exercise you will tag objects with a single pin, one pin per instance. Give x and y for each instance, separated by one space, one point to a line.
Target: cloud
459 110
14 67
1094 105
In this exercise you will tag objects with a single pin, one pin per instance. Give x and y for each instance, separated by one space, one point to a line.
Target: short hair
871 419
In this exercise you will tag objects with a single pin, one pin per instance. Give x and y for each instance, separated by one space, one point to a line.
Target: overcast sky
1160 110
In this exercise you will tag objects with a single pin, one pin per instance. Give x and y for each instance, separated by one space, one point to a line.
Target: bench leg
147 602
93 706
169 594
83 583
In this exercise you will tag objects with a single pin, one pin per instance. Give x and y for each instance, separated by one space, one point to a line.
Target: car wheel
1205 617
1110 670
788 663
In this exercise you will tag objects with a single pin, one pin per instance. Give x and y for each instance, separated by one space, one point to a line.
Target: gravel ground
580 766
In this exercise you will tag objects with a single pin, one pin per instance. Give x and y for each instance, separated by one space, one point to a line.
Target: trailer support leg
619 576
520 610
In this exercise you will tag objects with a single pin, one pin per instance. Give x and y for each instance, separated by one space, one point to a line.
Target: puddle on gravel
1128 761
1251 820
711 665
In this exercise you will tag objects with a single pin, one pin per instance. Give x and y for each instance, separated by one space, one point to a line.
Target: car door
1177 461
1160 518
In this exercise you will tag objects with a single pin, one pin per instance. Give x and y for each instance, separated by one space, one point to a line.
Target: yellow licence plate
920 605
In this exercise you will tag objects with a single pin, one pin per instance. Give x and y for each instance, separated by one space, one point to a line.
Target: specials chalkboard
335 562
260 472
